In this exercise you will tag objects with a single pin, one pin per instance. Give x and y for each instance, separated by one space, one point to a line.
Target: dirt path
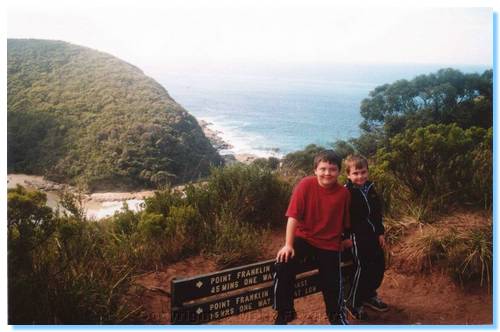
432 299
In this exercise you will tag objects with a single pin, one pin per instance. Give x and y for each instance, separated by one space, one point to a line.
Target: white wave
242 141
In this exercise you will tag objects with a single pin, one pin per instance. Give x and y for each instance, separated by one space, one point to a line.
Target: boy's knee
283 268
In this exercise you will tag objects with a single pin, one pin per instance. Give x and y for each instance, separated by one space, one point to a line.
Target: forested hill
81 116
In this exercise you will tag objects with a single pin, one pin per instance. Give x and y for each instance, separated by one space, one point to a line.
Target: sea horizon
274 110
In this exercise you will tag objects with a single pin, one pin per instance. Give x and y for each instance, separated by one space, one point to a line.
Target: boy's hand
285 254
346 244
381 241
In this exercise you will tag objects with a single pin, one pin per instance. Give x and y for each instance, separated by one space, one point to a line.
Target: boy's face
326 174
358 176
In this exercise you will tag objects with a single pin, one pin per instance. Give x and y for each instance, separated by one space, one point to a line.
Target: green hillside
81 116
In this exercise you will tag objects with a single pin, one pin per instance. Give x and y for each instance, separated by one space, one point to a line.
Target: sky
162 34
178 34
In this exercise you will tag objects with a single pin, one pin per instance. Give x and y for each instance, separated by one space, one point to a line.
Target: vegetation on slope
65 269
81 116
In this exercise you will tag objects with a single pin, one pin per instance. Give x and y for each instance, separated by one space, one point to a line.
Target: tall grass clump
397 228
471 256
422 251
464 252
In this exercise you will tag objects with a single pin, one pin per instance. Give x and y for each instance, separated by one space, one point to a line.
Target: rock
214 136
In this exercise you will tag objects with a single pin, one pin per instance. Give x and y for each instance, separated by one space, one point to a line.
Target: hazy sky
179 33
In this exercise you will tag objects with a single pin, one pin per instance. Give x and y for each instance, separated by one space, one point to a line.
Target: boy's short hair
328 156
355 161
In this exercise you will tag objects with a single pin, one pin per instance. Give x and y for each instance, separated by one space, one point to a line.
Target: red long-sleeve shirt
322 213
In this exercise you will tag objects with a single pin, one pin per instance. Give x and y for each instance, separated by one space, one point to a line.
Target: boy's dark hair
355 161
329 156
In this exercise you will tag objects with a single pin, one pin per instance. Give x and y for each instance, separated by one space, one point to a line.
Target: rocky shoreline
214 136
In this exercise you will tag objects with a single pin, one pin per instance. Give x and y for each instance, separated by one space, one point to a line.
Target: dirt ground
428 300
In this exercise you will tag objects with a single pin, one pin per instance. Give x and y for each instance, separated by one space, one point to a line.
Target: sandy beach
40 183
96 205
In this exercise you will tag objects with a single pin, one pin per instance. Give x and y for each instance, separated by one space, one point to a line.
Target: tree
445 97
301 162
30 223
343 148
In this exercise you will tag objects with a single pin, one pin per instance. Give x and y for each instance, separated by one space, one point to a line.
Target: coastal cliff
80 116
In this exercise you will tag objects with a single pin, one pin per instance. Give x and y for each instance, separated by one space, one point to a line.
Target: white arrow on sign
199 311
199 284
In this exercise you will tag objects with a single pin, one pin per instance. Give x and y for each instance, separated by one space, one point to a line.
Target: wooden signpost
204 298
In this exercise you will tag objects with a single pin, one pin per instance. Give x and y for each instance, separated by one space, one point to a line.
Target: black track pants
368 257
329 275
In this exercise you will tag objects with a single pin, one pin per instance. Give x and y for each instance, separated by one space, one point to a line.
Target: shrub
249 193
212 216
161 239
62 269
437 164
86 283
162 200
391 192
125 221
482 167
272 163
235 242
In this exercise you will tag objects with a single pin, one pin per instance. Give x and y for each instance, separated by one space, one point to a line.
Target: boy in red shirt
317 215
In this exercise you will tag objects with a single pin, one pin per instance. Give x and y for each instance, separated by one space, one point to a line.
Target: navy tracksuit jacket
368 256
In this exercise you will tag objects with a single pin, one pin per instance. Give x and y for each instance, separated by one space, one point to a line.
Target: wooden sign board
221 294
227 280
229 305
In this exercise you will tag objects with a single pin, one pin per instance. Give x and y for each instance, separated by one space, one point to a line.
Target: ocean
272 110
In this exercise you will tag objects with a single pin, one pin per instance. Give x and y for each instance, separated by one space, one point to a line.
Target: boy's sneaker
284 317
376 304
358 313
339 319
